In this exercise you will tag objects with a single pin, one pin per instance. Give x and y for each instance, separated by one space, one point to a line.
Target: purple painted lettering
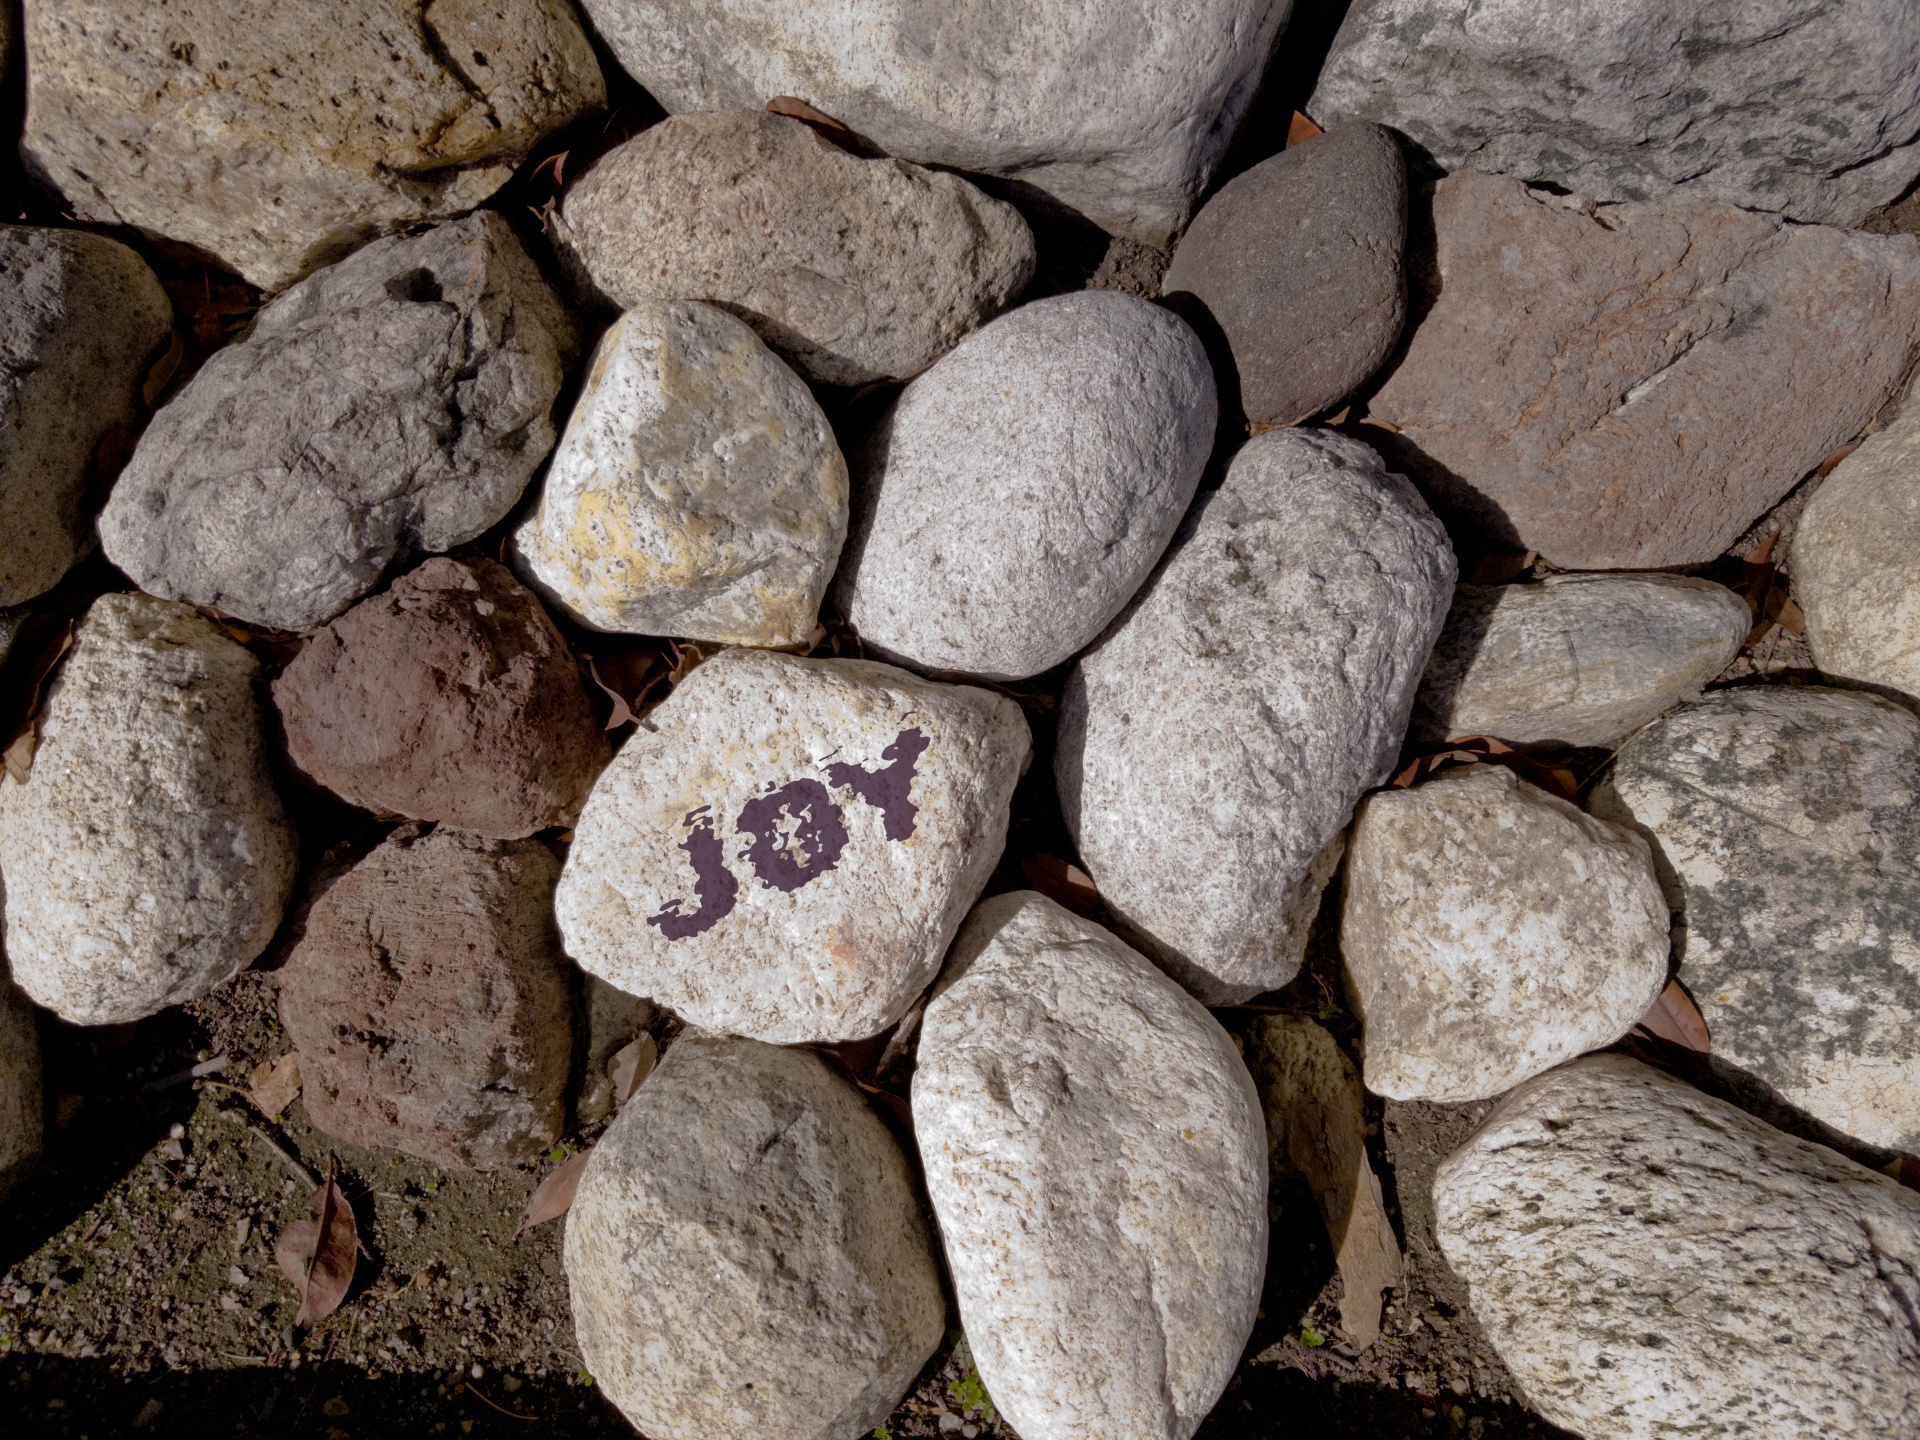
797 834
887 787
713 883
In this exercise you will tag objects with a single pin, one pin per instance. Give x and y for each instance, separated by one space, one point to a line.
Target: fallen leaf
275 1084
1906 1170
797 109
1674 1018
630 1065
1826 467
19 756
1485 749
318 1254
163 369
621 713
1060 882
1300 130
554 1194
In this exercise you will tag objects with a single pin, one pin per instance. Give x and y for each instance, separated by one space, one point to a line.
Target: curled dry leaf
1060 882
275 1084
798 109
554 1195
1674 1018
1485 749
318 1254
630 1065
1300 130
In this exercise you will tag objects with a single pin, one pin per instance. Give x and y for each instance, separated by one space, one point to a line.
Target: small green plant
969 1392
881 1432
1310 1335
561 1153
586 1379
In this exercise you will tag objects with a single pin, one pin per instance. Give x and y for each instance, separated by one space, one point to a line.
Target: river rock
1213 744
746 1253
146 856
1786 825
80 318
392 405
1766 104
1490 931
1298 265
278 139
1631 388
854 270
1578 659
697 492
1071 435
787 846
1649 1261
450 697
21 1124
1097 1161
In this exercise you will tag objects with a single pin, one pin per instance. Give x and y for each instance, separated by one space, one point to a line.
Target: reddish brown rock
450 697
431 1002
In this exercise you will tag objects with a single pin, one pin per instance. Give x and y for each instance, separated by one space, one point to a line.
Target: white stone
746 1254
1022 489
21 1123
1097 1161
146 858
1650 1262
697 492
786 847
1213 744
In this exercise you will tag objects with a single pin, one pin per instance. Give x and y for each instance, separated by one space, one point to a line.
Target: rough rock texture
431 1002
1213 744
1298 265
1022 489
746 1252
20 1099
146 857
393 404
80 317
1491 930
12 624
1631 388
1118 111
1581 659
854 270
698 490
1786 827
1095 1154
279 137
1652 1262
614 1020
1786 105
450 697
786 848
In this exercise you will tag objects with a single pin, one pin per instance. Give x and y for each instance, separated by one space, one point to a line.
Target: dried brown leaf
621 713
1674 1018
163 369
275 1084
797 109
1826 467
630 1065
318 1254
19 755
1485 749
1060 882
554 1195
1300 130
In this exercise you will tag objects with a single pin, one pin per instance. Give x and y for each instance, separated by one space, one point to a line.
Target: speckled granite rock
1097 1161
21 1121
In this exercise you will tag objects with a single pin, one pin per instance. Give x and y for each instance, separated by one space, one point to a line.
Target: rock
1578 659
13 624
870 806
1095 1155
450 697
431 1002
280 140
20 1100
1651 1262
1213 744
1784 823
697 492
1298 265
1490 931
1070 435
746 1253
1631 388
1774 105
80 317
853 270
393 404
146 857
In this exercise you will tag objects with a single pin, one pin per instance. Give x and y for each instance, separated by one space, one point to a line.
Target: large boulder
1098 1165
746 1253
1652 1262
146 857
1021 490
1213 743
21 1116
393 404
279 137
1629 388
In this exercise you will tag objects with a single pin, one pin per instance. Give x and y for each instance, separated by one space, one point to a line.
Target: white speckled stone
21 1115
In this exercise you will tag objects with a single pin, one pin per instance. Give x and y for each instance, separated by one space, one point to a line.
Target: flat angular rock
1785 824
1022 489
1630 389
280 137
146 858
1118 112
1579 659
80 319
1490 931
1298 263
1812 111
1213 744
394 404
1649 1261
746 1253
21 1122
786 848
853 270
1097 1161
697 492
450 697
